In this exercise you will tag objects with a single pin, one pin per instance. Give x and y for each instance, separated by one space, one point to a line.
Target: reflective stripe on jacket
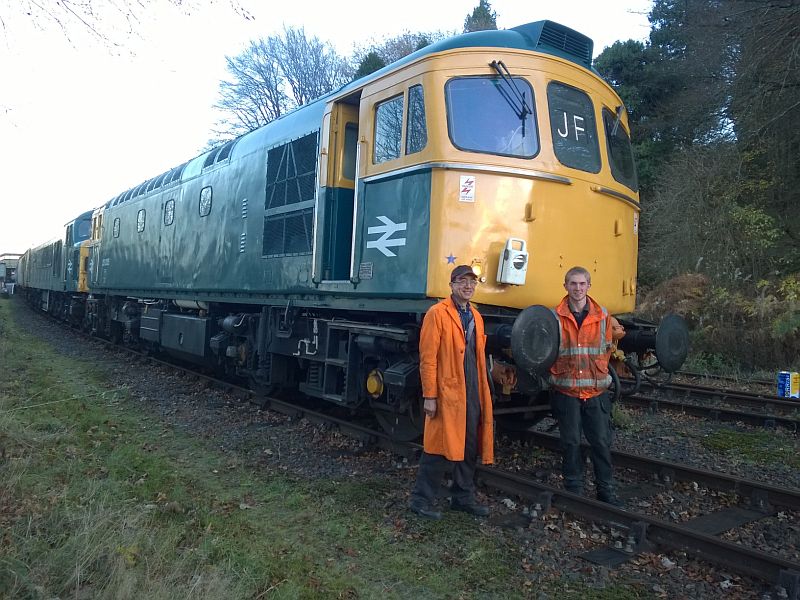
581 369
441 367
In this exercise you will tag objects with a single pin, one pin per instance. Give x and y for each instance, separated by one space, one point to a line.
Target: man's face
577 287
464 288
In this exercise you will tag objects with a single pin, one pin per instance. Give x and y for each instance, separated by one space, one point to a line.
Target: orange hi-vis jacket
441 367
581 369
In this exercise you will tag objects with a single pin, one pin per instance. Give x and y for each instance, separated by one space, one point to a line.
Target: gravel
550 545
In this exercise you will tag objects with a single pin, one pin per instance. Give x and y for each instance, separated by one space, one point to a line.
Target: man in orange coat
457 399
579 381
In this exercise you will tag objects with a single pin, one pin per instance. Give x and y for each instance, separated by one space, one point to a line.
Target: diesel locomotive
304 254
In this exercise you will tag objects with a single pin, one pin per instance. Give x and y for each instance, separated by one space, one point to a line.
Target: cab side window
416 130
388 129
620 154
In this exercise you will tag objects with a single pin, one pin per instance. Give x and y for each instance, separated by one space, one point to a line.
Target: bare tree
274 75
393 49
104 20
254 95
311 67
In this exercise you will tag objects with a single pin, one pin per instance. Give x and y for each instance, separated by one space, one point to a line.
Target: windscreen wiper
617 120
523 108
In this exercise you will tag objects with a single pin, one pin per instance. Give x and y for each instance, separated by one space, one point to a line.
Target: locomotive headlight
477 267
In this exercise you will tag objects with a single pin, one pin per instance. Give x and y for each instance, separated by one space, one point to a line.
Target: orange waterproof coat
441 366
581 369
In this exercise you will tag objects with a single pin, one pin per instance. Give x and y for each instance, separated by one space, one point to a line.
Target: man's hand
429 407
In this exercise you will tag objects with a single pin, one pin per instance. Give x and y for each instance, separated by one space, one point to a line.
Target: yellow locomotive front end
533 175
507 152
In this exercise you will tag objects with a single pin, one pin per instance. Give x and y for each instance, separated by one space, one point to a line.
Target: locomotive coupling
535 340
669 341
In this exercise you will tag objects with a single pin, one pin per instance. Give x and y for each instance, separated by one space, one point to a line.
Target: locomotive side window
416 131
140 220
388 129
169 212
83 230
115 228
205 201
488 114
619 151
291 190
573 128
56 258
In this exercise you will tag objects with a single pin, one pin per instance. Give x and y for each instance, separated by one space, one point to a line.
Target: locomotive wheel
405 427
261 391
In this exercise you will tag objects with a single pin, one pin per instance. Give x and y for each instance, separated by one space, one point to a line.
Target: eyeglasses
466 282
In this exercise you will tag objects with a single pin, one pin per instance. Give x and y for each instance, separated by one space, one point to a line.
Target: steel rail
762 495
737 558
734 379
714 412
754 398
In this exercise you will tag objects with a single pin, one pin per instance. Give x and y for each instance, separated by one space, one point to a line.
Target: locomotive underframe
362 361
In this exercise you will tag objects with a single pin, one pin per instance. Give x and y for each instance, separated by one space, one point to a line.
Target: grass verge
763 447
98 502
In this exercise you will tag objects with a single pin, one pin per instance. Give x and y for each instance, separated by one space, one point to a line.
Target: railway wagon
8 270
49 274
304 254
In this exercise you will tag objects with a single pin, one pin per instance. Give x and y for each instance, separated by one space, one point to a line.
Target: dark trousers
432 468
593 417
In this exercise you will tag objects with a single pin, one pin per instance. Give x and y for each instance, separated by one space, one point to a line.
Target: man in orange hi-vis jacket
579 381
457 399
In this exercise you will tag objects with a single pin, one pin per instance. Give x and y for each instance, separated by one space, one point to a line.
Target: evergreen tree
482 18
369 64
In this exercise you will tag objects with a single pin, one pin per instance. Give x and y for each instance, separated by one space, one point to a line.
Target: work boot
424 510
610 499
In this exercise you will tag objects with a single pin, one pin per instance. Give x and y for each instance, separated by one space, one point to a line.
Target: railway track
713 412
726 378
750 408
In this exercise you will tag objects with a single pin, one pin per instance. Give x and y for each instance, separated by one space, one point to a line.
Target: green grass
625 418
762 447
99 500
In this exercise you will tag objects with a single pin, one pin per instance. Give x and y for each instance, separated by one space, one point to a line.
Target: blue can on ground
789 384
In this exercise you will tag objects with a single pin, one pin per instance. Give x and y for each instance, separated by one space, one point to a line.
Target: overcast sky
80 123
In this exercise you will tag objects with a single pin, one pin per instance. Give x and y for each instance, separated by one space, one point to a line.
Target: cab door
334 243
